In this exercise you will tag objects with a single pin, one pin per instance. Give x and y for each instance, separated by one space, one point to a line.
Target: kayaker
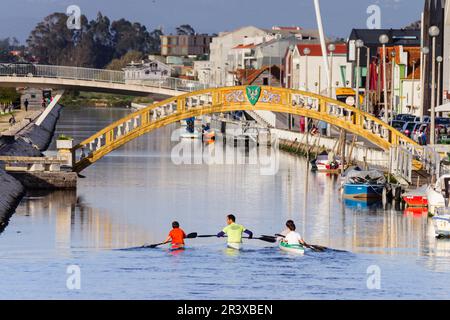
285 231
176 235
234 232
293 237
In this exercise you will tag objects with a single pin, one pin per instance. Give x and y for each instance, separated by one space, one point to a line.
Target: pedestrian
26 105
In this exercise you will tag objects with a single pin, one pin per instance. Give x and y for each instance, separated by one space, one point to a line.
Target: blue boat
364 185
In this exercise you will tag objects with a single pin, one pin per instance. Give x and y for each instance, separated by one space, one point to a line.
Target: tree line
99 43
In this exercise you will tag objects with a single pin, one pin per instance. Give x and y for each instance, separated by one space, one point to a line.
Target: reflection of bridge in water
87 79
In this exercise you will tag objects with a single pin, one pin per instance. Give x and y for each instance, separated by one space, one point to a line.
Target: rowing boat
235 246
291 248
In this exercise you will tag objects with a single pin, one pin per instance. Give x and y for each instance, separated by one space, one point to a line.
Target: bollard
66 152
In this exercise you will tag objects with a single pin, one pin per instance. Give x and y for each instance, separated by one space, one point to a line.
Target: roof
248 76
245 46
396 36
316 49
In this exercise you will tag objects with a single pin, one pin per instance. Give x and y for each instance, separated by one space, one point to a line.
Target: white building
250 47
146 70
203 71
308 73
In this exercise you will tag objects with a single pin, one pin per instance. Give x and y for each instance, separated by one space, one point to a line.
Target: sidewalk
18 114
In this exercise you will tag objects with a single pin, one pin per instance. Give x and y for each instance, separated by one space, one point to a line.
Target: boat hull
416 201
294 249
442 225
235 246
363 191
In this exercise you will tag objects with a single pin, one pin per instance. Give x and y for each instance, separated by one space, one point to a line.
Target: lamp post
367 79
413 83
433 31
359 44
331 49
383 40
439 60
306 52
393 54
425 52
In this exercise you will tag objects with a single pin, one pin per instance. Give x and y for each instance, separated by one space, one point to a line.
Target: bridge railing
90 74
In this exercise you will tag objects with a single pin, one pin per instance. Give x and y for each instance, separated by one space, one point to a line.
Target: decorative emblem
236 96
253 94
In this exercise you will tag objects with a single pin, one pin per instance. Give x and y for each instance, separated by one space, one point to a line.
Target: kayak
291 248
235 246
176 247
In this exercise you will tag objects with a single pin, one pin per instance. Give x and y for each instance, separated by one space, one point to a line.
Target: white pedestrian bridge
87 79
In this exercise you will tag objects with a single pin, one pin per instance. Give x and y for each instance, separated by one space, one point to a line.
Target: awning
443 108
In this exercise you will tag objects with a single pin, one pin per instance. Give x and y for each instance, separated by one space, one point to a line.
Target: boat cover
372 177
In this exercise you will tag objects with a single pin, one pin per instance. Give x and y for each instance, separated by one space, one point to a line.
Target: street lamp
306 52
359 44
393 54
331 49
413 83
439 60
425 52
383 40
433 31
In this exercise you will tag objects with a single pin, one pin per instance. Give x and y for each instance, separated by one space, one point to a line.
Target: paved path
4 119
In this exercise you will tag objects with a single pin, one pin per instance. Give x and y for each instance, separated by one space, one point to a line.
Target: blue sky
20 16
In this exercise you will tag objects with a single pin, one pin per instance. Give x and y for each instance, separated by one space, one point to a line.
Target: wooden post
344 138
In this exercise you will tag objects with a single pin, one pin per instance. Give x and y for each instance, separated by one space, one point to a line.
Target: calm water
131 196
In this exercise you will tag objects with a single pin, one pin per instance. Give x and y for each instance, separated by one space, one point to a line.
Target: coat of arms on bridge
253 94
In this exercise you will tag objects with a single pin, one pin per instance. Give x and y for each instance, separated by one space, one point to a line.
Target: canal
130 198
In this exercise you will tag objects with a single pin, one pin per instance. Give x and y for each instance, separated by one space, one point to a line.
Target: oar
189 236
262 238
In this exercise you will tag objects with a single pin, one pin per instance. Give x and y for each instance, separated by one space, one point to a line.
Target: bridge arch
228 99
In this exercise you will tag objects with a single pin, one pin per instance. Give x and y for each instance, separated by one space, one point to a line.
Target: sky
19 17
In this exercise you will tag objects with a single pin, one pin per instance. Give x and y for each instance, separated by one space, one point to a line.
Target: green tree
185 29
119 64
8 95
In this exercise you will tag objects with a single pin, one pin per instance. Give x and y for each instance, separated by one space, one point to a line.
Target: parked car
443 121
425 119
408 128
405 117
398 124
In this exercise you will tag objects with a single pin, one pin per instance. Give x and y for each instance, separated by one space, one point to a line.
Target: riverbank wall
295 142
23 139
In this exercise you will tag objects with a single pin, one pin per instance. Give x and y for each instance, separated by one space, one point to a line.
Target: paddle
262 238
192 235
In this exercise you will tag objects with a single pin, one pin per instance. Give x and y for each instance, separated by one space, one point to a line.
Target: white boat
194 135
235 246
441 225
436 193
291 248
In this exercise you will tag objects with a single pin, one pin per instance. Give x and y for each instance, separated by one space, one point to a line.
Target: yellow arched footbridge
228 99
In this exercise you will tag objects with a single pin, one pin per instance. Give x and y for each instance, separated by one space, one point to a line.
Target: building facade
185 45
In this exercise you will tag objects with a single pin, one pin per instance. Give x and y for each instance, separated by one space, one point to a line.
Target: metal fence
89 74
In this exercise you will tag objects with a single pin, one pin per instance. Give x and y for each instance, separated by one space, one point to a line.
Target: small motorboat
364 185
437 193
441 223
291 248
416 198
326 162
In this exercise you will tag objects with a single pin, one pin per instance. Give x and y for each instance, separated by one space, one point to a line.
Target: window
265 81
297 66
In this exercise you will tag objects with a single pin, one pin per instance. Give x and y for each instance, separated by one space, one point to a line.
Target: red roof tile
316 49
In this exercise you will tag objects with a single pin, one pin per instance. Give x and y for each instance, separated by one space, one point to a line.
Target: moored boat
291 248
416 198
437 193
326 162
441 225
364 185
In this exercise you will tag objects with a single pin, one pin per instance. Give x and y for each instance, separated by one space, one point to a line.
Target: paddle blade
192 235
268 239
